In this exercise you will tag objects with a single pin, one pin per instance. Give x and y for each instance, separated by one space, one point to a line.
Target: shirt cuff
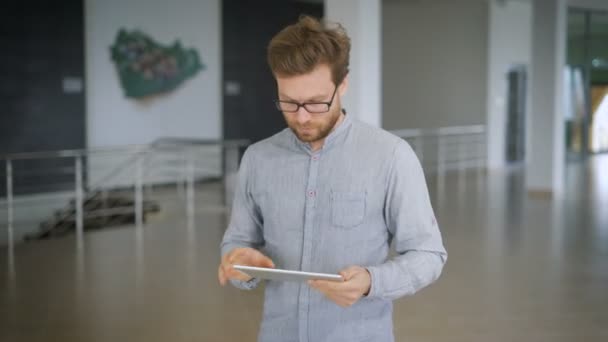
374 285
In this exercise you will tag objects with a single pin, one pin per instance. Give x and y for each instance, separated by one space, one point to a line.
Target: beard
315 131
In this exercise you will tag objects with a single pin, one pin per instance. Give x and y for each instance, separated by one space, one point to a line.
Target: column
546 159
362 20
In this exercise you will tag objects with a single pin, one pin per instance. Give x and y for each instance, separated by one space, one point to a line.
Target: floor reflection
520 269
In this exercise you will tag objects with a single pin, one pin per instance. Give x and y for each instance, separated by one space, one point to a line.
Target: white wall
509 44
192 110
434 60
362 20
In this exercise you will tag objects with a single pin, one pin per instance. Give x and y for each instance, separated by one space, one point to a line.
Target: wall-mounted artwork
147 68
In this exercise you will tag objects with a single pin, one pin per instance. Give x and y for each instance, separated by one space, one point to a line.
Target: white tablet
285 275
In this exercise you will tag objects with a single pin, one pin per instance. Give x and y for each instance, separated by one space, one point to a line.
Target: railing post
190 185
462 167
141 158
440 156
482 156
181 175
12 286
231 166
462 163
139 207
440 169
79 202
419 148
462 153
9 203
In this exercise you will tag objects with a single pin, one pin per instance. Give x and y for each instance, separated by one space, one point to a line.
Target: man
329 194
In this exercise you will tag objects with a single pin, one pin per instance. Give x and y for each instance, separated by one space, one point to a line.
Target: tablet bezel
285 275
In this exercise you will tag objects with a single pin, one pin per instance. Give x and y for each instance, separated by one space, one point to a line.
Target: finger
221 275
344 304
319 286
266 262
260 260
226 268
233 258
231 273
241 276
343 294
236 254
349 272
238 276
335 297
329 286
329 295
226 273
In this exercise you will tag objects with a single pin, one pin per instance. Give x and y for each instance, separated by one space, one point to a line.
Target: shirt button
311 193
315 158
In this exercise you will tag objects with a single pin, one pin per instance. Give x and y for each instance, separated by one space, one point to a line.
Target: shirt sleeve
411 222
245 226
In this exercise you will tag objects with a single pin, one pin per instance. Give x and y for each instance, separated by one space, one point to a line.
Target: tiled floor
520 269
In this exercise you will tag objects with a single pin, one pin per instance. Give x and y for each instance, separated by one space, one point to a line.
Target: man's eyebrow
315 98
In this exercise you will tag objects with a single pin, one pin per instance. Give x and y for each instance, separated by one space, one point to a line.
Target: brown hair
300 47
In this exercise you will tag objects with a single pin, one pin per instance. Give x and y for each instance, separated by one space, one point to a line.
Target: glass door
576 78
598 47
586 83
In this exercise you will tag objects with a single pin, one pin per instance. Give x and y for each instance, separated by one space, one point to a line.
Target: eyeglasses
311 107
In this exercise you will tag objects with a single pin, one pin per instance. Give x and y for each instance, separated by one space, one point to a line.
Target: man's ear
343 87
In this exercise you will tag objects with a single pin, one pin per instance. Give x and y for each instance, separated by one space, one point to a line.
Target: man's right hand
241 256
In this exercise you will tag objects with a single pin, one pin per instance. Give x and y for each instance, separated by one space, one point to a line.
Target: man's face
316 86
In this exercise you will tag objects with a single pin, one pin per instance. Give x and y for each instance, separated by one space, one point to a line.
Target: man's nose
302 115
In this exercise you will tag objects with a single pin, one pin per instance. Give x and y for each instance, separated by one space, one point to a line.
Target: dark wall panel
247 29
42 46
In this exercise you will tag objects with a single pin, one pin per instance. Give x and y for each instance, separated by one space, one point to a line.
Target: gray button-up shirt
325 210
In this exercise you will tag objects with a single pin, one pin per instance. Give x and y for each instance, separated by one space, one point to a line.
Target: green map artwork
147 68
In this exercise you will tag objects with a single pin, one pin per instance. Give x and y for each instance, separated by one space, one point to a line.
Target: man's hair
300 47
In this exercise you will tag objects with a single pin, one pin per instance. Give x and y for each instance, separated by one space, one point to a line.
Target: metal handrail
135 156
73 153
442 141
161 142
439 131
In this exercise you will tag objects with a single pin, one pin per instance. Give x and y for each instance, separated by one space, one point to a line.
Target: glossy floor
520 269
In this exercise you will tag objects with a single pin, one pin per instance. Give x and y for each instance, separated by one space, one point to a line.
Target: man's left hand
357 283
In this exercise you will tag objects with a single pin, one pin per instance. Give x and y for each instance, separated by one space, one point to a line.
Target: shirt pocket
347 208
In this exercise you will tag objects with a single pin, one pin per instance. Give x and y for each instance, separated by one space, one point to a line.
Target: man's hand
241 256
357 283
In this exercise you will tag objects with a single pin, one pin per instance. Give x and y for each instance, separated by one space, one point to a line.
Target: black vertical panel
42 43
247 29
516 114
